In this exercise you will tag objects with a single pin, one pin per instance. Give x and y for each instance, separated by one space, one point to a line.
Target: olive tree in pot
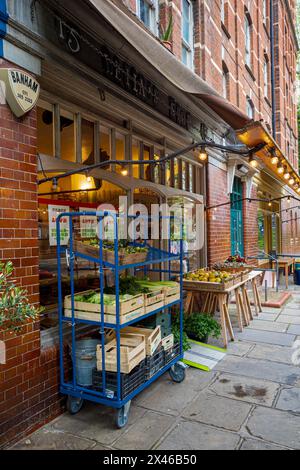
200 326
15 310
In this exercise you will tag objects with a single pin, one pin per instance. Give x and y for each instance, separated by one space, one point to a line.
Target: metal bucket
86 361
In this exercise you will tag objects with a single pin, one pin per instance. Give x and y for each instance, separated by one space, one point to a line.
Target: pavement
250 401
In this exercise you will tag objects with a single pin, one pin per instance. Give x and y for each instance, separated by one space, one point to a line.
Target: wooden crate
152 337
134 303
87 249
95 316
168 342
154 300
124 258
171 294
109 255
132 351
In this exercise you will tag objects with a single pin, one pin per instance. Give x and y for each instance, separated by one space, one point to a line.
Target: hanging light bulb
280 168
88 179
270 204
253 162
289 199
291 181
286 174
124 172
202 155
274 158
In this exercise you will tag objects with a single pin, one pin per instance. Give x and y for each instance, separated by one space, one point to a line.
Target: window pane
87 136
186 17
45 133
120 152
147 168
136 156
145 12
105 148
67 134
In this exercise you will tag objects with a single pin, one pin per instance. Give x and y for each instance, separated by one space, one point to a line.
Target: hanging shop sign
20 90
53 212
104 60
88 224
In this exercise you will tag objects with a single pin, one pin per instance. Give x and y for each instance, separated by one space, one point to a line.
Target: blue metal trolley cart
157 261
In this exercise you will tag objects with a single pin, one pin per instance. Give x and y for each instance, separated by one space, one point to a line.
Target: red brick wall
28 381
218 221
250 224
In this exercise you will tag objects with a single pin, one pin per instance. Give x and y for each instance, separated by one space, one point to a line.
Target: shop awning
255 134
51 166
165 62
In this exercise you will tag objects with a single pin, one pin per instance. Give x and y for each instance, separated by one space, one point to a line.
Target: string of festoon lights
268 201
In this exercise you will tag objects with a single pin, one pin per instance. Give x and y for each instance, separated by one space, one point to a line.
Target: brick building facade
213 44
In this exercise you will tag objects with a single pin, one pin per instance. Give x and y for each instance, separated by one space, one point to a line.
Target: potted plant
15 310
166 34
200 326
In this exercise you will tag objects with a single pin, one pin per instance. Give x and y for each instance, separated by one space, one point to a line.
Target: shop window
136 149
191 179
87 142
156 168
45 130
176 173
187 34
147 11
184 179
120 153
67 136
105 146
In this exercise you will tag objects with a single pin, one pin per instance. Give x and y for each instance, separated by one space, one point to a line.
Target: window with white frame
225 81
250 108
247 40
265 11
187 33
266 77
223 11
147 11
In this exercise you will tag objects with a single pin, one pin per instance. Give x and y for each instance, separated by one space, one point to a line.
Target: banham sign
20 90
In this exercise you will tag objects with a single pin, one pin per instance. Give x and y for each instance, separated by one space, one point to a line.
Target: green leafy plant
166 33
200 326
176 332
15 310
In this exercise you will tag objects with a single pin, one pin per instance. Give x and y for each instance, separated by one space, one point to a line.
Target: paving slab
51 439
96 422
171 398
245 389
236 348
288 319
145 433
267 317
253 444
294 329
294 312
260 369
272 353
268 326
268 337
278 427
217 411
289 399
197 436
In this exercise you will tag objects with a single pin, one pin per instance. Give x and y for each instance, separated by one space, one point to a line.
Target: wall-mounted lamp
201 154
253 162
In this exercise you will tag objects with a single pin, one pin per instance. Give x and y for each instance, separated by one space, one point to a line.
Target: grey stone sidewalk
251 401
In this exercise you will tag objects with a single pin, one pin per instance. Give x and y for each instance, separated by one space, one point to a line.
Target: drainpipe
272 68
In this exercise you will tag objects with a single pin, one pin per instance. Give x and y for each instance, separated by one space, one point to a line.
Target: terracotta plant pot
168 45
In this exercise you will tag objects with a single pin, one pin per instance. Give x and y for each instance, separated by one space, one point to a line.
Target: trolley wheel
122 416
177 373
74 405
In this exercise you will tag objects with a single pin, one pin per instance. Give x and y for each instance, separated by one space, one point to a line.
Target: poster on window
54 212
88 224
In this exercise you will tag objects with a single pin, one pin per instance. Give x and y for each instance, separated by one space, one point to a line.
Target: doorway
237 225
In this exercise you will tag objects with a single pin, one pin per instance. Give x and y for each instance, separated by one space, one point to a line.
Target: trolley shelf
113 325
97 397
76 393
